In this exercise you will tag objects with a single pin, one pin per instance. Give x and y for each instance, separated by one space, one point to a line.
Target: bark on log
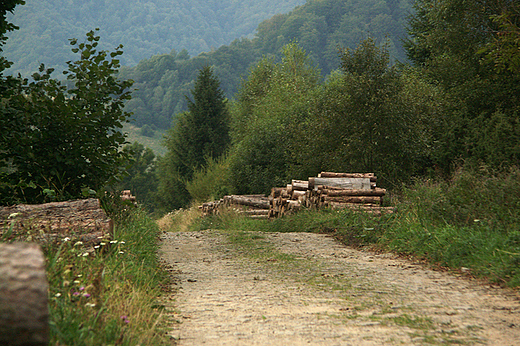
277 191
297 194
345 183
371 176
257 202
347 192
255 212
24 314
300 185
357 206
353 199
60 218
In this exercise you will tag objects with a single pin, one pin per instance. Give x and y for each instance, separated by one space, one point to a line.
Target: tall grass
108 297
470 221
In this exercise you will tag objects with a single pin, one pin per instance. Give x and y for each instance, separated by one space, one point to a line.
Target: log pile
290 199
211 208
254 206
126 195
356 191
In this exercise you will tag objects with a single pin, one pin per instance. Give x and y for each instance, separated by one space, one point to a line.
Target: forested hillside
145 28
320 27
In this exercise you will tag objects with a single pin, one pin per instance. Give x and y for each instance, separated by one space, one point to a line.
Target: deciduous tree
56 141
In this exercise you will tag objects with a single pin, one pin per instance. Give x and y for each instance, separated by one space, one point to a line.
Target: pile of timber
126 195
290 199
357 191
211 208
254 206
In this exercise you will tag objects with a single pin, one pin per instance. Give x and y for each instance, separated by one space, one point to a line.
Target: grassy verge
470 222
108 295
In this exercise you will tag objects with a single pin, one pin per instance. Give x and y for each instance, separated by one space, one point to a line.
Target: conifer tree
207 120
200 134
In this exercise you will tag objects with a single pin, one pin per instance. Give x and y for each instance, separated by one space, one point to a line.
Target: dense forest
455 103
319 27
145 28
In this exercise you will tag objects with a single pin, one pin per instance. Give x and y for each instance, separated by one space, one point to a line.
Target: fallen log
371 176
357 206
255 212
300 185
60 218
352 199
344 183
257 202
348 192
24 314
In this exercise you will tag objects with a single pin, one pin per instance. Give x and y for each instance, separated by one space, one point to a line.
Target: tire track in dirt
250 288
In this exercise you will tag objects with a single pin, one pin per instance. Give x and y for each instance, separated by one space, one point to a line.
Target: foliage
107 296
460 46
368 117
371 120
140 177
319 27
469 221
271 106
199 135
64 140
211 182
145 28
504 49
5 27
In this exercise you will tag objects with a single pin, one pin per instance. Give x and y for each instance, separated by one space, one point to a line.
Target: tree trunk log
371 176
300 185
345 183
277 191
59 218
347 192
255 212
257 202
24 314
353 199
297 194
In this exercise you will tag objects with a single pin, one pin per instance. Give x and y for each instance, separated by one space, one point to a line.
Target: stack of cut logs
355 191
254 206
126 195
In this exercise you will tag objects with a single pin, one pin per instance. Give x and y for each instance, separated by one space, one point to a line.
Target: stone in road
249 288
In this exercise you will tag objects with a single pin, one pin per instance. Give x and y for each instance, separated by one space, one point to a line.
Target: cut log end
24 314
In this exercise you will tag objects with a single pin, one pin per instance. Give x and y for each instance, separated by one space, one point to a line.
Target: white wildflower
13 215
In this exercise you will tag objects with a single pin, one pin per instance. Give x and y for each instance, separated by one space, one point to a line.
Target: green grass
108 296
154 143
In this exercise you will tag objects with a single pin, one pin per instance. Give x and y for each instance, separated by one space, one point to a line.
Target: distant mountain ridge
318 26
145 28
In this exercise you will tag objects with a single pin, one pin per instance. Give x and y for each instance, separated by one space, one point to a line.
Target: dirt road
246 288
